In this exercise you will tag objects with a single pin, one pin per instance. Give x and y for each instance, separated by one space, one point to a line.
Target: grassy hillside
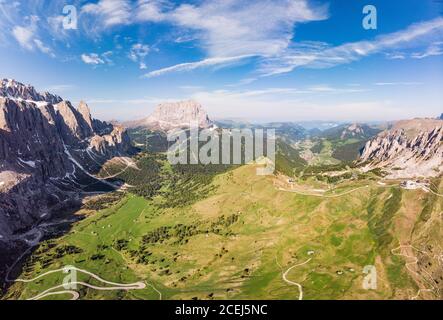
238 239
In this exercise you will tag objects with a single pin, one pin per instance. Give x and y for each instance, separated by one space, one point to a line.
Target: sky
262 60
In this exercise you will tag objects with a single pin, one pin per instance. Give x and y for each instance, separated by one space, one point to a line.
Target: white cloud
8 14
138 53
151 10
278 93
92 58
232 28
332 90
43 48
395 56
225 28
242 82
107 57
326 57
185 38
24 36
110 12
218 61
228 29
97 59
435 49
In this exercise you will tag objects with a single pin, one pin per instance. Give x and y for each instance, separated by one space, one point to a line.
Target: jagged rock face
48 152
85 112
181 114
411 148
16 90
110 144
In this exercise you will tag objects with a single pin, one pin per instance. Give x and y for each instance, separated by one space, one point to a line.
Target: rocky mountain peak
84 110
411 148
49 151
16 90
171 115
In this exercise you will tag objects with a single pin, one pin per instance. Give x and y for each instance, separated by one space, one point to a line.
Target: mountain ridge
49 151
411 148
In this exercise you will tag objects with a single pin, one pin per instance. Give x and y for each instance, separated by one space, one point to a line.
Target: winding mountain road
50 291
285 277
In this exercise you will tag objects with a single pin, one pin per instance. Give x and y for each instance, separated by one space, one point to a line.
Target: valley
118 221
221 158
251 237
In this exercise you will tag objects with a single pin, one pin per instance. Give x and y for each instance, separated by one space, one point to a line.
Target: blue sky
263 60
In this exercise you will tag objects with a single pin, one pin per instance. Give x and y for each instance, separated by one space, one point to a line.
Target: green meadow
237 240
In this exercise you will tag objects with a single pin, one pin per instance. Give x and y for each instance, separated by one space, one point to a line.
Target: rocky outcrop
412 148
49 153
13 89
85 112
175 115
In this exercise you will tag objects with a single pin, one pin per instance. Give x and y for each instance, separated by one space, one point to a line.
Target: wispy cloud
277 92
60 88
28 39
398 83
43 48
395 56
334 90
228 29
24 36
233 28
325 57
151 10
110 12
224 31
210 62
242 82
435 49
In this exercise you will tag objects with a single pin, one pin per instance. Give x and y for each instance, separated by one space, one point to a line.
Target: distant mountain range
376 145
350 131
50 150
